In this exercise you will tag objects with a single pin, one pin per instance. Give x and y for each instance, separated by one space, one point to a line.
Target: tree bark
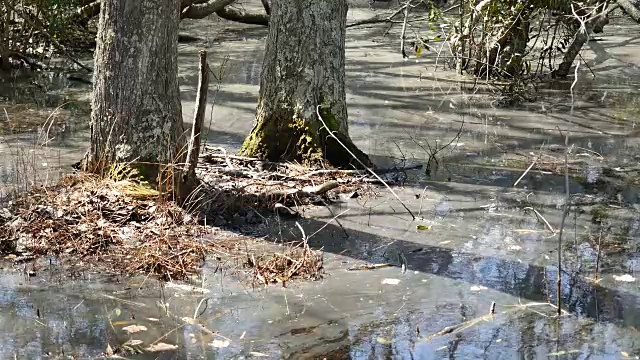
304 66
581 37
193 151
136 113
4 37
631 7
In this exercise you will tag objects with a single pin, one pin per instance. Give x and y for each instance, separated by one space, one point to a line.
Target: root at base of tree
273 139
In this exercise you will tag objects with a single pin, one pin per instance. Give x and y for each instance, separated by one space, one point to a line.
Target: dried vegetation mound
124 226
117 224
243 186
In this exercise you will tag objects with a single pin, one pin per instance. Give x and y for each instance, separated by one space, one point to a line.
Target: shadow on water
461 269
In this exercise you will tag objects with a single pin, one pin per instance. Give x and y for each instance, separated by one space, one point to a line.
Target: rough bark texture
631 7
198 116
136 112
4 37
304 66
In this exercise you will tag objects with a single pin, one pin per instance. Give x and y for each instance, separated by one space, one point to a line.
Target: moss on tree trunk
304 66
285 136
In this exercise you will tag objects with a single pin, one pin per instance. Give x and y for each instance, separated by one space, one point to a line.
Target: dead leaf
478 288
391 281
161 347
134 328
423 227
257 354
220 343
383 341
133 342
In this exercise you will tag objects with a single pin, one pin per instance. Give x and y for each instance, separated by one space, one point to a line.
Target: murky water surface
482 240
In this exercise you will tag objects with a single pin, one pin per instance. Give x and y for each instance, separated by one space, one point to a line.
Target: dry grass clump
119 224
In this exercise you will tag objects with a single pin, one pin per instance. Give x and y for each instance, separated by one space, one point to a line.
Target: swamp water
480 241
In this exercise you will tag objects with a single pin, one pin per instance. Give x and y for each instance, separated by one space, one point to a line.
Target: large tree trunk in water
304 66
136 113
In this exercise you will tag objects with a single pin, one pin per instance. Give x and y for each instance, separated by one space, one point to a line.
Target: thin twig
327 224
546 223
530 166
362 164
564 217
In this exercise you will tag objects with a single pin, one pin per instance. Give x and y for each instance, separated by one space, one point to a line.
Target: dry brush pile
116 223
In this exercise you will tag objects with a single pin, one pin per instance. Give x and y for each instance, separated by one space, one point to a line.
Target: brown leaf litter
119 225
125 227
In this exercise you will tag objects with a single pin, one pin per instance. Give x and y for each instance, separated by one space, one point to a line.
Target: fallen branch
378 19
307 190
199 11
243 16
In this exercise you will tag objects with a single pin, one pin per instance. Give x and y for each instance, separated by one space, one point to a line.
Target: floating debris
297 261
134 328
391 281
157 347
476 288
220 343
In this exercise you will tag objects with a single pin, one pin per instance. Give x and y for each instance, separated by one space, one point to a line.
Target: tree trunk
631 7
4 37
136 113
580 38
304 66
